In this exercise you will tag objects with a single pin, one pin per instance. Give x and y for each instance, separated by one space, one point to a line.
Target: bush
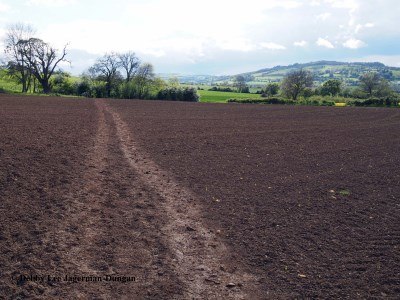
62 84
389 101
99 90
317 102
178 94
272 100
128 90
83 88
321 101
272 89
307 93
245 90
328 100
220 89
89 89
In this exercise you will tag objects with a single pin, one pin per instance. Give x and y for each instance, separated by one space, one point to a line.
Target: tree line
300 83
33 63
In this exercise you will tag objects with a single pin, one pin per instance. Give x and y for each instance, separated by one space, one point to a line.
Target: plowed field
117 199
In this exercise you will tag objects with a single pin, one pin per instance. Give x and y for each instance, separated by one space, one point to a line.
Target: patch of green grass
9 85
344 192
222 97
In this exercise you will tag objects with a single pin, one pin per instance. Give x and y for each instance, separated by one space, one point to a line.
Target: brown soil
198 201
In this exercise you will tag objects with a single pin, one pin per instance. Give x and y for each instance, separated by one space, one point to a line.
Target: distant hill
324 70
348 72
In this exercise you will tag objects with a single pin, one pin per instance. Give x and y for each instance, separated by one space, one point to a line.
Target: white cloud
354 44
171 30
56 3
300 44
359 27
218 34
235 44
4 7
324 43
2 33
324 16
272 46
350 4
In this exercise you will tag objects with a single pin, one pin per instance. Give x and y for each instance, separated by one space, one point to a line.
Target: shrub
271 89
388 101
83 88
220 89
327 100
245 90
272 100
62 84
321 101
128 90
178 94
99 90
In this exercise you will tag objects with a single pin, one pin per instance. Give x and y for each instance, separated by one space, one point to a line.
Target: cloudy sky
214 36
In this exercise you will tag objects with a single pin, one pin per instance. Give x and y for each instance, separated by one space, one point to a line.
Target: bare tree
295 82
17 63
130 63
43 60
106 67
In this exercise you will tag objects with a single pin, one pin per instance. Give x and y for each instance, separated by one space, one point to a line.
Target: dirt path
129 218
110 228
199 257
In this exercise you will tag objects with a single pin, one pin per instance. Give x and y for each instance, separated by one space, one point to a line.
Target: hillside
324 70
348 72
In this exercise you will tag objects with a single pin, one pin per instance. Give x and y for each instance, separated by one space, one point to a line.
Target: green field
222 97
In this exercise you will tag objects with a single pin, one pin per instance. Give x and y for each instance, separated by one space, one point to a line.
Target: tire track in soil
107 231
80 226
199 257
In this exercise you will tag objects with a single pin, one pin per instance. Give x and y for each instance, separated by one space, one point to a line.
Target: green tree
369 83
331 87
271 89
384 89
173 82
295 82
62 83
240 84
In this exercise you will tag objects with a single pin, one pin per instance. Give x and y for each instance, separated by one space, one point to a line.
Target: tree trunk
46 86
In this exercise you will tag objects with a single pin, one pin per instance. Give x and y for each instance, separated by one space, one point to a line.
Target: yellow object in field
341 104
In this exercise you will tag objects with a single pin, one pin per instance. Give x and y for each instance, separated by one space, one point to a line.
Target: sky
214 37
